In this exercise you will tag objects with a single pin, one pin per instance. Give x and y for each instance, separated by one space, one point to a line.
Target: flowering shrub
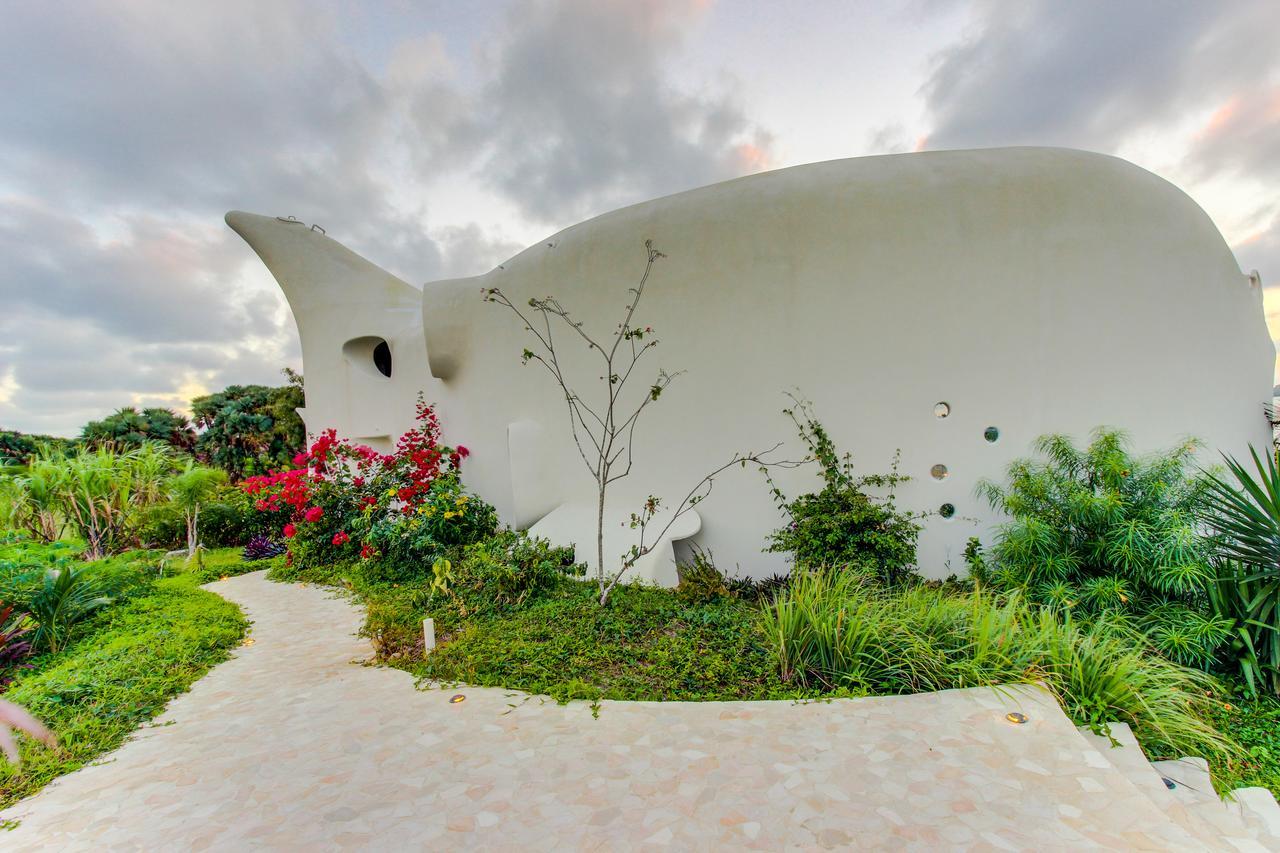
346 502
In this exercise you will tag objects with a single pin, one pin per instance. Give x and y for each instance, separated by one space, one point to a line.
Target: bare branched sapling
604 429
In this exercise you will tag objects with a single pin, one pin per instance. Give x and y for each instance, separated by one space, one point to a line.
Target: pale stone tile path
290 746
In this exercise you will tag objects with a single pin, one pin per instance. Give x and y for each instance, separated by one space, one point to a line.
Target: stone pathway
292 746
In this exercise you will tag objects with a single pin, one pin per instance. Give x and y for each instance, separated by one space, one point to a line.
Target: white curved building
1029 290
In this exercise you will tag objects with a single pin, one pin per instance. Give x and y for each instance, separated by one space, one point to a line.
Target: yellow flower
448 514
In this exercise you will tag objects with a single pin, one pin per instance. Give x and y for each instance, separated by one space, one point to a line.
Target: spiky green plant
65 596
34 496
101 488
1099 531
1245 513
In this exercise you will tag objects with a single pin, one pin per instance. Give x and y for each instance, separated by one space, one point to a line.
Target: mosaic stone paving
289 746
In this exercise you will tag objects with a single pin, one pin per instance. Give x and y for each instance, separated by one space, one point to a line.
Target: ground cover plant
1254 721
120 664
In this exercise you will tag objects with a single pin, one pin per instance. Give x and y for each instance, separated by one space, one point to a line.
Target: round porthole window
938 472
947 510
941 410
991 434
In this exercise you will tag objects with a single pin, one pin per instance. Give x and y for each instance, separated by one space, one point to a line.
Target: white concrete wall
1032 289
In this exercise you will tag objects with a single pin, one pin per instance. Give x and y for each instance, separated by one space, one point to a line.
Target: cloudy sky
438 138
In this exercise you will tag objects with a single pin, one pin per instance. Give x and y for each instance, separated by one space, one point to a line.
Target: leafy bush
834 630
1099 531
228 519
842 526
505 569
250 429
701 580
1245 512
444 520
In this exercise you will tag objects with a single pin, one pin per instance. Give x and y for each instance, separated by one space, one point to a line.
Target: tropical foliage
1098 531
189 491
250 429
129 427
1245 512
398 512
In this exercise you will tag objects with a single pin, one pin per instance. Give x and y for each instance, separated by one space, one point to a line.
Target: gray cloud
130 128
579 115
1089 73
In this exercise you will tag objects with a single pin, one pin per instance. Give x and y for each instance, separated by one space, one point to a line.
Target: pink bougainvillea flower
301 458
314 514
463 452
290 530
340 538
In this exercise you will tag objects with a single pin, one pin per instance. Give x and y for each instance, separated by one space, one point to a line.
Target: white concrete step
1192 783
1247 814
1124 753
1260 811
1127 756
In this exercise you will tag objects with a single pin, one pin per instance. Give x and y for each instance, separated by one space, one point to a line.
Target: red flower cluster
360 475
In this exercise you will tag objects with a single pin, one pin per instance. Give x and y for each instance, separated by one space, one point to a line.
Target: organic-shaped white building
952 306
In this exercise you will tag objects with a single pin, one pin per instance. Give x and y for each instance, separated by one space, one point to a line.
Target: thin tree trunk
600 546
193 517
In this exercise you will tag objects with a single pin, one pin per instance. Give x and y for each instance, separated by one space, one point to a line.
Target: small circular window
991 434
941 410
938 472
947 510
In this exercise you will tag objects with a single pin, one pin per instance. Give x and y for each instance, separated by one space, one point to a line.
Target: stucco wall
1031 289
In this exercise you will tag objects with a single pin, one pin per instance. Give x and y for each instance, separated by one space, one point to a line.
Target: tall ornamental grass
833 631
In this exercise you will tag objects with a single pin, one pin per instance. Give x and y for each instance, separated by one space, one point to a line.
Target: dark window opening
382 359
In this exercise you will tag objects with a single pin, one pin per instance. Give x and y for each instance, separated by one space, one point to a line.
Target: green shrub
842 526
1099 531
443 524
701 580
834 630
507 568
